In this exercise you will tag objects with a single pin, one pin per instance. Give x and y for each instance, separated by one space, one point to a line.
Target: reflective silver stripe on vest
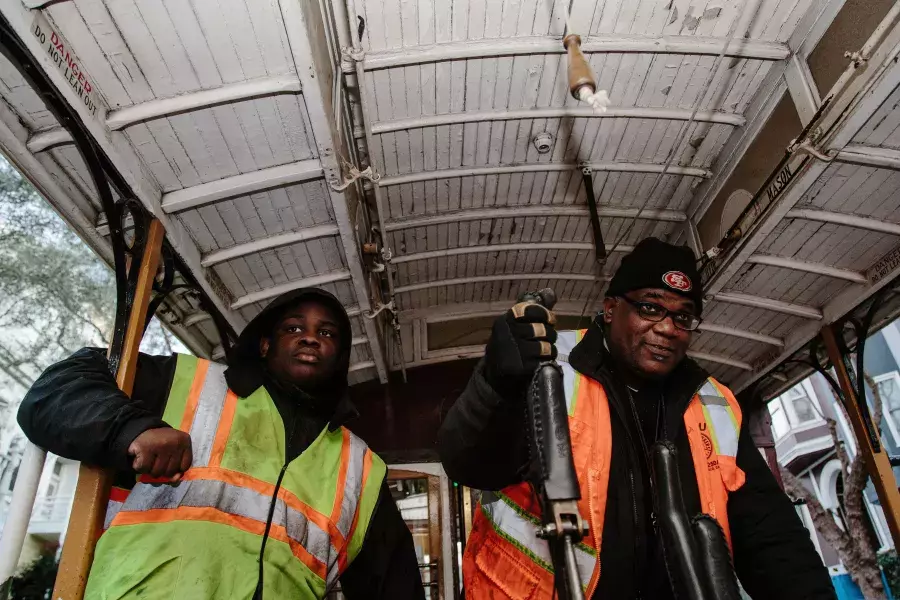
565 342
112 509
722 421
206 417
234 500
352 486
523 533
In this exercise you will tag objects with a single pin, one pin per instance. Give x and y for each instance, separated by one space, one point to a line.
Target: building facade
804 446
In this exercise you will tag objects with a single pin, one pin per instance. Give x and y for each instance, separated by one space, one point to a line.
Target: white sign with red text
68 64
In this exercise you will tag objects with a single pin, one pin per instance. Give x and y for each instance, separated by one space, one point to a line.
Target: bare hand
162 452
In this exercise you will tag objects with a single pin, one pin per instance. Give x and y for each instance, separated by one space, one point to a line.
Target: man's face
304 345
650 350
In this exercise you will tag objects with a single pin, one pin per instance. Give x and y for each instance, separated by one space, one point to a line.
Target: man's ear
609 305
263 347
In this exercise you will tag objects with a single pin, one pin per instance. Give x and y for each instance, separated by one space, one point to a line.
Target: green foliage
890 565
55 294
35 582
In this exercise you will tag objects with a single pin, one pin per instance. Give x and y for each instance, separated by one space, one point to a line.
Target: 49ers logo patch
678 281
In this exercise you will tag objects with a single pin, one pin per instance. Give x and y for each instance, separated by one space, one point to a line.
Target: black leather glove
521 339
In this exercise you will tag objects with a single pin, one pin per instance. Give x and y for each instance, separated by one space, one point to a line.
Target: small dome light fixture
543 142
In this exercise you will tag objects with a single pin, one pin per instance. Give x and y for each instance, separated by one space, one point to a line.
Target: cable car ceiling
229 121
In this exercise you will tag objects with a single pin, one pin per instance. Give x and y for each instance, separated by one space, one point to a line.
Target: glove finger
533 331
536 351
526 312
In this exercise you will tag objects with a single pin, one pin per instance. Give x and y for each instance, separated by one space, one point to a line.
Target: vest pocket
504 569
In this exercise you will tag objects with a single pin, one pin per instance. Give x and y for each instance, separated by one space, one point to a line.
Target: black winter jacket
76 410
481 444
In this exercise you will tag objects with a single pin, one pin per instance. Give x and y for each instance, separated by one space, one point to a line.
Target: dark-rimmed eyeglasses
650 311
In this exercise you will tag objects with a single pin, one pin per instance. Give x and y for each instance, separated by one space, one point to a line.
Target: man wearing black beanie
628 384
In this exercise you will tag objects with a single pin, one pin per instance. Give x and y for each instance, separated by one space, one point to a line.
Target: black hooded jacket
482 445
75 410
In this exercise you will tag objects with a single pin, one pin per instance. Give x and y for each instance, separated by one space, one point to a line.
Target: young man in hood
628 384
248 484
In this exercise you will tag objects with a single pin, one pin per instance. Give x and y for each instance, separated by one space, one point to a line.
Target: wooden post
92 492
878 464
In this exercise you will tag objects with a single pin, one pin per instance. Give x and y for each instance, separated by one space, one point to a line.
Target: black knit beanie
655 264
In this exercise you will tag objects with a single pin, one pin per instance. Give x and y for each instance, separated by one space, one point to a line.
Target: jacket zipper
258 594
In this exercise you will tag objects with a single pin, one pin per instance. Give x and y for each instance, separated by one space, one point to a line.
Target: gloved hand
521 339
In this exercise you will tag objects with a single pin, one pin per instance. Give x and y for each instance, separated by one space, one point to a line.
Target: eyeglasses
650 311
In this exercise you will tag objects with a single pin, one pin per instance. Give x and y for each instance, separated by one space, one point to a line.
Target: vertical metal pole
877 462
16 527
92 492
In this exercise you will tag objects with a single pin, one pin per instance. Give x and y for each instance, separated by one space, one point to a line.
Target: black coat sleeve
75 409
773 553
482 441
386 567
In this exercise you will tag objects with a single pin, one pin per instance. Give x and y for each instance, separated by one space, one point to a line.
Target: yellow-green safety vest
200 538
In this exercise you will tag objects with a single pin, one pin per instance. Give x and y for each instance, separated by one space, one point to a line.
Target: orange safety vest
504 558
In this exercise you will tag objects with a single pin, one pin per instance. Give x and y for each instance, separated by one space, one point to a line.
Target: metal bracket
353 54
806 147
355 174
381 308
857 58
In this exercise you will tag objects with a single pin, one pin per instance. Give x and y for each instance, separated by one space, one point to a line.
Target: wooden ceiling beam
644 44
616 167
164 107
578 112
511 212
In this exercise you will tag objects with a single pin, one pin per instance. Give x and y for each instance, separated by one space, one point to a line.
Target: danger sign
67 63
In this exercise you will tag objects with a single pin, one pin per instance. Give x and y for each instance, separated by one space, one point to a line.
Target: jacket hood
246 368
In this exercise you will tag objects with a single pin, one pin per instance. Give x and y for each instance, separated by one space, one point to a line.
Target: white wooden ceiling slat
230 278
155 158
273 127
289 263
23 100
834 176
117 54
65 180
236 140
234 221
194 146
284 210
153 55
216 225
882 122
270 35
879 203
318 201
274 267
245 122
198 230
70 159
72 25
847 192
254 275
334 254
176 25
268 217
218 148
234 19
